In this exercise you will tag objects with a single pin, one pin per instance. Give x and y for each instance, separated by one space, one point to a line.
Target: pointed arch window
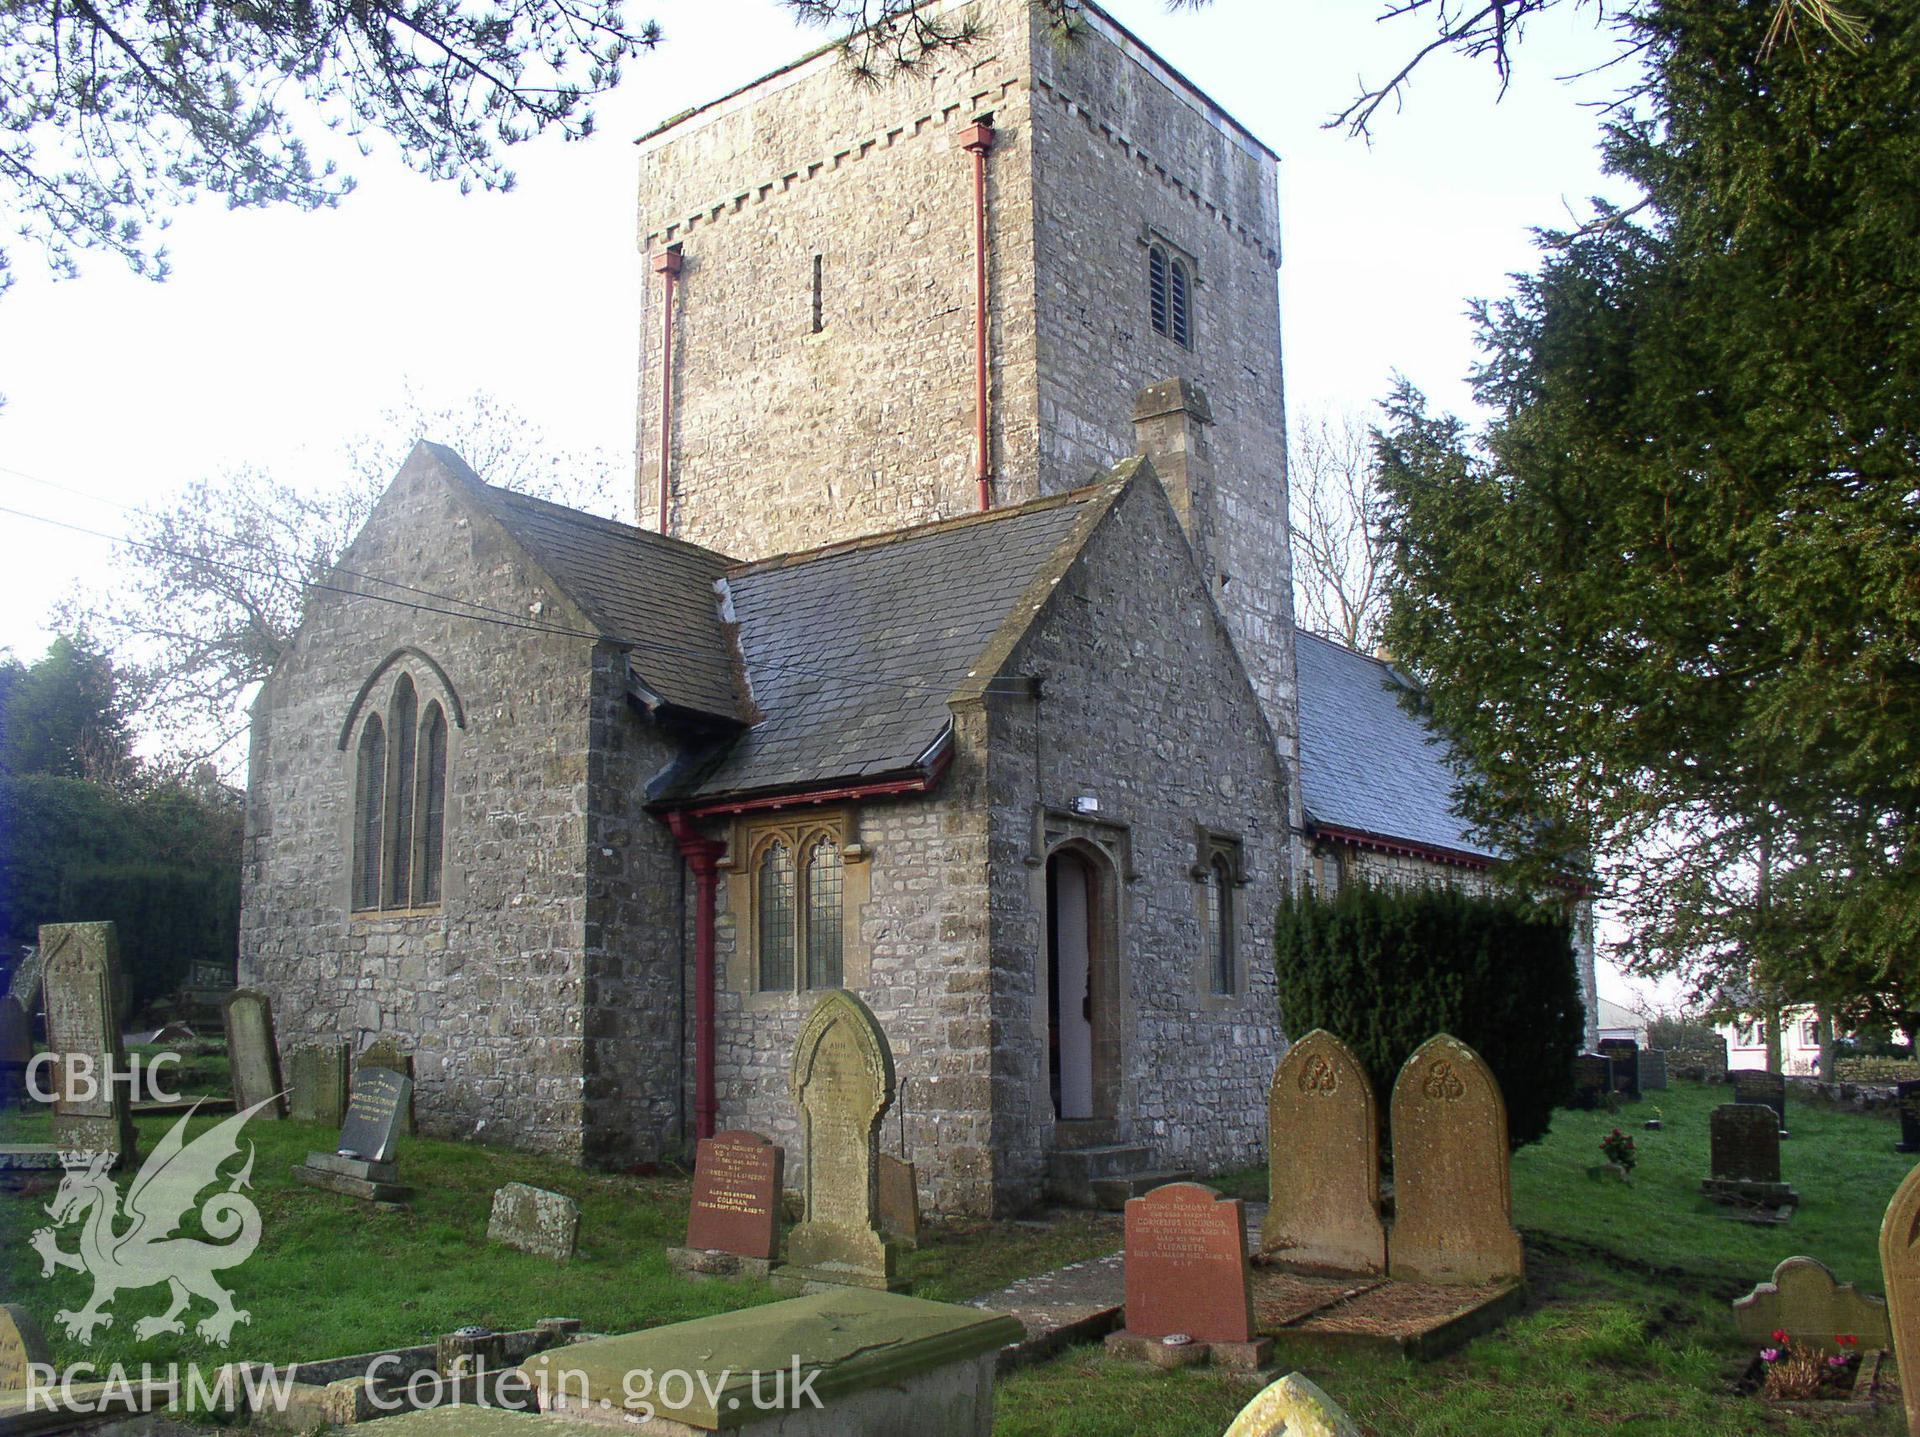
369 809
1220 923
798 892
400 804
1219 867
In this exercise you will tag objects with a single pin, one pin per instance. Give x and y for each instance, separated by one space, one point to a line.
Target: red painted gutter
878 788
703 856
666 264
977 140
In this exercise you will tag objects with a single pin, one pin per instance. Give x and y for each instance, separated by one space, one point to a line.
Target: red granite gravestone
736 1196
1187 1265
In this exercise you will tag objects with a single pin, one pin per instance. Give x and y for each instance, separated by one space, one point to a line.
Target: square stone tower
815 298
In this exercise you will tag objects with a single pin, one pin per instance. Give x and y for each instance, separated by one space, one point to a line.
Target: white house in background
1616 1020
1799 1042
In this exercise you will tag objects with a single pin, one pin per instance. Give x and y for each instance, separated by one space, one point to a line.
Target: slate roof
853 651
1366 764
636 586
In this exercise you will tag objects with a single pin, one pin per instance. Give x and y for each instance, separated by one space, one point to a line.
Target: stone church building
952 662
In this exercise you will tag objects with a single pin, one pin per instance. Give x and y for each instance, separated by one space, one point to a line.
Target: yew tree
1667 601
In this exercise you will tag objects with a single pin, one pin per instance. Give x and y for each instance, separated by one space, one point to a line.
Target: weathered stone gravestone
1453 1192
1187 1277
1292 1407
1625 1054
1763 1086
362 1164
1908 1096
733 1224
386 1052
1900 1270
1744 1156
92 1111
546 1224
16 1051
1804 1301
842 1081
1323 1141
899 1197
1653 1069
22 1345
251 1052
1592 1080
24 989
317 1083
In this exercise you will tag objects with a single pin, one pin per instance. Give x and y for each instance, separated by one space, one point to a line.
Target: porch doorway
1073 933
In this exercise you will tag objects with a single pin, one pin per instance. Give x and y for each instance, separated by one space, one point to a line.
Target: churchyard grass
333 1276
1629 1330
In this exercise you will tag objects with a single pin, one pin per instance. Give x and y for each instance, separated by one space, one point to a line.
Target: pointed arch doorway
1081 985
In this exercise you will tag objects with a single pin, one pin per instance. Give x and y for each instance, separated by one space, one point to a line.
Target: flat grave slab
1418 1320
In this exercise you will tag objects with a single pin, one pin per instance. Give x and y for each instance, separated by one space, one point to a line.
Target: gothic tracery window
400 804
798 893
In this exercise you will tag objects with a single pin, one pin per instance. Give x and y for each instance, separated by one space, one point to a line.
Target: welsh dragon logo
132 1242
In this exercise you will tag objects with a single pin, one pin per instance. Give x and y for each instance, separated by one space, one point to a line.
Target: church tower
874 306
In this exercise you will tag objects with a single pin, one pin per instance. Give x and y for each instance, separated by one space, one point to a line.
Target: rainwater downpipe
703 855
977 140
666 264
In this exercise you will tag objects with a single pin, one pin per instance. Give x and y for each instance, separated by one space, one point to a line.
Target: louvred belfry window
1170 295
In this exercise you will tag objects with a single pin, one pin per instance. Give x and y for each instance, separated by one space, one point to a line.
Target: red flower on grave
1847 1339
1780 1335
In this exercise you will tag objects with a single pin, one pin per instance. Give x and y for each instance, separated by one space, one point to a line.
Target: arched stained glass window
825 889
369 812
775 900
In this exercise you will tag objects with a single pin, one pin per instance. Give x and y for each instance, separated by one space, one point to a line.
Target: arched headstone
1452 1185
91 1111
842 1082
252 1053
1900 1270
1323 1161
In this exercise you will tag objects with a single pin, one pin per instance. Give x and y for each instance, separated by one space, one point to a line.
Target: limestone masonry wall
488 990
1144 706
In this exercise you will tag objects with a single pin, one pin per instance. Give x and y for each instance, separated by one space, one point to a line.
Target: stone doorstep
1112 1194
1156 1352
361 1188
702 1265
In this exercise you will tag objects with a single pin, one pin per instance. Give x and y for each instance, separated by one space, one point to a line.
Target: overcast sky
280 334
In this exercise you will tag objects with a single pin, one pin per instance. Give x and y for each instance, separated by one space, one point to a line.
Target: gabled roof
854 651
1368 767
635 587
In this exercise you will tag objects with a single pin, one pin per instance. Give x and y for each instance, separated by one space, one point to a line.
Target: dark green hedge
1385 969
163 863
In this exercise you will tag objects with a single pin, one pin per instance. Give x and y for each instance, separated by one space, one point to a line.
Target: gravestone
317 1083
1804 1301
362 1164
1744 1156
1752 1085
1592 1080
842 1081
1900 1271
16 1051
1453 1193
22 1345
373 1114
1909 1099
1292 1407
546 1224
733 1224
24 989
386 1052
1653 1070
83 1028
251 1052
1323 1135
899 1196
1187 1277
1625 1054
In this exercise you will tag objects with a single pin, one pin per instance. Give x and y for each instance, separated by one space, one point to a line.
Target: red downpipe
666 264
977 140
703 856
